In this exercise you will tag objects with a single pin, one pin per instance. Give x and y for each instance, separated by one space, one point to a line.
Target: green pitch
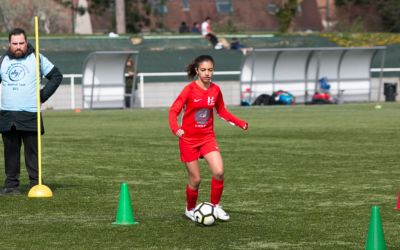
302 177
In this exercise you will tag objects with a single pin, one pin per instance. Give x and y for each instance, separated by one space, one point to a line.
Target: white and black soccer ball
205 214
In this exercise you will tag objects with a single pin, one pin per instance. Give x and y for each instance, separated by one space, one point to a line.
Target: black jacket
27 121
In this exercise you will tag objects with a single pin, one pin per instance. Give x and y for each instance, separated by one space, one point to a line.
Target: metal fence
70 96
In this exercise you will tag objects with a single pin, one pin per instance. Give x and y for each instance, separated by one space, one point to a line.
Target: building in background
226 15
72 16
238 15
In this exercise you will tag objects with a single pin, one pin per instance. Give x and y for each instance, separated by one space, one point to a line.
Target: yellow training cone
40 191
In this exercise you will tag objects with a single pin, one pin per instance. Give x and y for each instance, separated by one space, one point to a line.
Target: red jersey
198 116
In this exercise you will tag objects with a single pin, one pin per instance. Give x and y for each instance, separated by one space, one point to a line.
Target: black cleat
9 191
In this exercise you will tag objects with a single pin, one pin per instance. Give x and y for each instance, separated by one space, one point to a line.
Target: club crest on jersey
17 71
210 100
202 116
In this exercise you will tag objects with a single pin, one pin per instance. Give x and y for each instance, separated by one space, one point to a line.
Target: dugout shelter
298 70
104 79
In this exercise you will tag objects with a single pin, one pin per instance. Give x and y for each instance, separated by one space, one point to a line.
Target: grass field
302 177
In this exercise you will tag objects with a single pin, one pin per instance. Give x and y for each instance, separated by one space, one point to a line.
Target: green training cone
125 214
376 239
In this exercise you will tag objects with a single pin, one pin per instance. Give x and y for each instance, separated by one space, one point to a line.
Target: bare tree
52 17
3 20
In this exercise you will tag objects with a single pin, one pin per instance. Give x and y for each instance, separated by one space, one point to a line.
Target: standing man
18 115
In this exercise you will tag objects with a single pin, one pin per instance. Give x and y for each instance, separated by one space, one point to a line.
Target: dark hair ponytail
191 68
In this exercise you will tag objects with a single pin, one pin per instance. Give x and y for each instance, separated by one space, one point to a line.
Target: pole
39 128
39 190
120 16
72 17
141 86
72 93
327 17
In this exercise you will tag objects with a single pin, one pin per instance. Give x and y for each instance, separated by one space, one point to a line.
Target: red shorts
193 151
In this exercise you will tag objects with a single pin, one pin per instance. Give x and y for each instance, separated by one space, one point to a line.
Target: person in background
208 34
236 45
129 83
195 28
18 115
196 134
184 28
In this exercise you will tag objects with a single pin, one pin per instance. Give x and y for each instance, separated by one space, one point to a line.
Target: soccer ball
205 214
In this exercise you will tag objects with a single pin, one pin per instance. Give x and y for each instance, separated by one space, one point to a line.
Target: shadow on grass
52 186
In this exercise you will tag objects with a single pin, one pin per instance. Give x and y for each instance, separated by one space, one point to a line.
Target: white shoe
221 214
218 46
190 214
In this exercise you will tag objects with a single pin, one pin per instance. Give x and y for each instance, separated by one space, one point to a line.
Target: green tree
139 15
286 14
389 12
351 2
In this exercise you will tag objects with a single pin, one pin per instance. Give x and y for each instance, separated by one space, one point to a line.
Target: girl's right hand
180 132
246 126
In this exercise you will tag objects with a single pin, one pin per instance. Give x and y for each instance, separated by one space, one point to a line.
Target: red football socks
217 186
191 197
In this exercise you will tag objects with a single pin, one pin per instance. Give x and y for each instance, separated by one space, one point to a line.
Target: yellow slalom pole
39 190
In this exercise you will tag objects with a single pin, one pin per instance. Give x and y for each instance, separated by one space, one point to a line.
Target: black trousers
212 38
12 150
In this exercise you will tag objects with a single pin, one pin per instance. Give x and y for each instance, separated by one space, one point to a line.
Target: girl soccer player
196 132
